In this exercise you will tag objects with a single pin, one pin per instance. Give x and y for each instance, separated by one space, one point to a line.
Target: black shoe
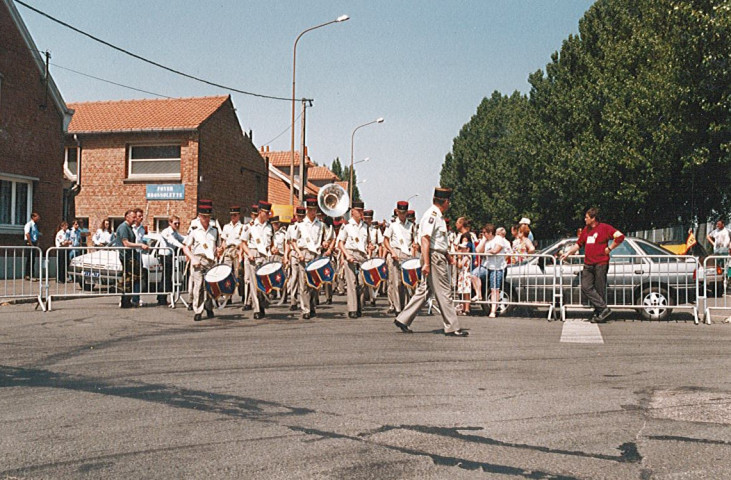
306 316
258 316
603 316
313 313
373 303
246 307
458 333
329 301
359 313
292 308
210 314
190 307
404 328
352 314
197 317
162 303
127 305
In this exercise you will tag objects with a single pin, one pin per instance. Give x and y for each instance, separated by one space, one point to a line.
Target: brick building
162 156
33 120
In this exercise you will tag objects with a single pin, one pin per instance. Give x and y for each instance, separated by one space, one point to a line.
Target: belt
443 252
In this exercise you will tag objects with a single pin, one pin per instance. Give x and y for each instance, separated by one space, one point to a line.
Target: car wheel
503 307
655 303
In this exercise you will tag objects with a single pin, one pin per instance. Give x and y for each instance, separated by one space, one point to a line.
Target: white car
102 268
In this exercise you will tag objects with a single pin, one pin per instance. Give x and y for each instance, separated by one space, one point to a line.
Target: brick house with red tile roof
163 155
33 121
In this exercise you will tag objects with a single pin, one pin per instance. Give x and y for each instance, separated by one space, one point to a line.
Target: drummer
308 246
278 242
253 213
338 263
398 240
353 243
375 238
293 274
328 245
231 239
256 248
200 248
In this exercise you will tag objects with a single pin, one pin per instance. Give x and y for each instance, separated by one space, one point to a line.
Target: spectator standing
74 236
171 241
720 239
526 221
464 277
130 258
103 236
595 239
522 245
62 257
31 236
496 248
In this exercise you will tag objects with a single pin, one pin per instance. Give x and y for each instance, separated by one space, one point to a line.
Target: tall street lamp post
352 138
341 18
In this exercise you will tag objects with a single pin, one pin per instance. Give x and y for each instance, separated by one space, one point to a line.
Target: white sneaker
476 298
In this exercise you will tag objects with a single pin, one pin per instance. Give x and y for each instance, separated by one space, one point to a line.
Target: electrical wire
143 59
284 131
109 81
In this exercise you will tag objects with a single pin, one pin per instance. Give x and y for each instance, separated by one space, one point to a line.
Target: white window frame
159 176
17 224
71 175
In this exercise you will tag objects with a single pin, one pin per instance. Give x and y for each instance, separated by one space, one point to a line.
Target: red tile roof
284 159
143 115
320 173
279 190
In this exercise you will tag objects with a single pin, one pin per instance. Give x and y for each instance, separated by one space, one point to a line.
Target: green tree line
631 116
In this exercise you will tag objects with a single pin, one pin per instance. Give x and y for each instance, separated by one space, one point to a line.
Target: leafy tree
337 168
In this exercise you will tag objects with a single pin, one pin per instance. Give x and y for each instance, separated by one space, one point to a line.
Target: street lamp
362 161
341 18
352 138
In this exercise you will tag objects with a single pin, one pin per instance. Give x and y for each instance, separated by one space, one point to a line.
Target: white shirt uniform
231 234
355 236
101 238
280 237
170 239
60 238
310 235
259 238
375 235
432 224
202 243
400 235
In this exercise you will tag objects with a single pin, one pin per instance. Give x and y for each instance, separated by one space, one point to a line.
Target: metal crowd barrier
16 281
528 281
716 284
653 285
181 279
96 272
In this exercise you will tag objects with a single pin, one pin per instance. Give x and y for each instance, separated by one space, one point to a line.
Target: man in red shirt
595 238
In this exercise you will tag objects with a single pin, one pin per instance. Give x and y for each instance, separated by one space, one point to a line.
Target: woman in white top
62 256
103 236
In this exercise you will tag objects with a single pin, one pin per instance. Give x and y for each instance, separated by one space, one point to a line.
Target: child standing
464 277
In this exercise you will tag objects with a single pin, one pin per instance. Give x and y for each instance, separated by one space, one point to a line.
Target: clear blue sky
422 65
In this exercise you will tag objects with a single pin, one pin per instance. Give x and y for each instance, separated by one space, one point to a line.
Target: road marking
580 331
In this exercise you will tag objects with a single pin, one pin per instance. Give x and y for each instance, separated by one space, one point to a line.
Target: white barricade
528 281
181 278
653 285
21 273
717 285
109 271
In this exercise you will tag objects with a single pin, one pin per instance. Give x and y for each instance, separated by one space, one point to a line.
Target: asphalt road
92 391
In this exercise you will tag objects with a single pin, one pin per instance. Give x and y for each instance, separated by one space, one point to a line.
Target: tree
337 168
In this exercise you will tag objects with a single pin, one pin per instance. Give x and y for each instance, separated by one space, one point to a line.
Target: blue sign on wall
174 191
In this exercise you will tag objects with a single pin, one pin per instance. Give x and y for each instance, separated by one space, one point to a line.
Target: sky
424 66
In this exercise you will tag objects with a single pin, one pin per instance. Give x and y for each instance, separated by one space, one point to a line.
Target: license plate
92 274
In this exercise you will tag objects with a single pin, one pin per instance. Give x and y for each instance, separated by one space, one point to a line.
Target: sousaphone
333 200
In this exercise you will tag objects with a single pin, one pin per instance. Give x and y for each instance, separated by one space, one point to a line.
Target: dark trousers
62 261
30 262
166 284
594 285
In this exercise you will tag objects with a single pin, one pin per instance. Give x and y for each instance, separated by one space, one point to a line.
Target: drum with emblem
374 271
411 272
319 271
220 281
270 276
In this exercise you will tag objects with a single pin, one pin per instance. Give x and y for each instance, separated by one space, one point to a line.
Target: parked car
103 269
642 275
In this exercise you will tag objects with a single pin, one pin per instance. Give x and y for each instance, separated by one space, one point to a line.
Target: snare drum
319 271
411 272
374 271
270 276
220 281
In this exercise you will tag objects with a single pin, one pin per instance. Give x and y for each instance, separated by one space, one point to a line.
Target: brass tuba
333 200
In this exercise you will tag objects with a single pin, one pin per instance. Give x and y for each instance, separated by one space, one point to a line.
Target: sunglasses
176 223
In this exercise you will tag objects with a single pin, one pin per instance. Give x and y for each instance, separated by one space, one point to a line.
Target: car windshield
651 249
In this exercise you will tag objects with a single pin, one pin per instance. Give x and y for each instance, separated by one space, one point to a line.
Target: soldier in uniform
328 245
308 246
194 224
398 241
256 248
200 248
435 261
293 285
375 239
338 263
244 289
230 241
353 243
